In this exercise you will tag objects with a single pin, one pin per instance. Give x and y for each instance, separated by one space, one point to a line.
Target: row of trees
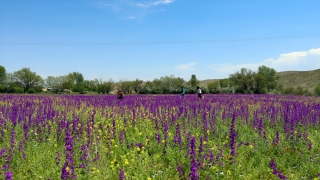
244 81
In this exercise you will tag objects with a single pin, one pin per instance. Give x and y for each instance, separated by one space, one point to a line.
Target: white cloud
186 66
154 3
299 61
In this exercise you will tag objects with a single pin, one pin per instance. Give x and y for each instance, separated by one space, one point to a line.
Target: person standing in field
120 94
183 92
199 92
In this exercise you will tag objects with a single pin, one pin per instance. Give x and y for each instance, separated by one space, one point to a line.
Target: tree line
244 81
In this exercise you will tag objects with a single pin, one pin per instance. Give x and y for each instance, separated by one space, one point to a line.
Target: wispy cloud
131 17
185 67
300 61
154 3
135 9
114 7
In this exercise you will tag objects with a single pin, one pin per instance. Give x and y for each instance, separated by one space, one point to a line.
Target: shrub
317 90
17 89
31 91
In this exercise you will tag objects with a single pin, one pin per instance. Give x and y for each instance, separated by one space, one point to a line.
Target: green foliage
17 89
78 78
31 91
260 84
28 79
224 83
248 82
243 81
107 86
3 89
317 90
299 90
136 85
164 85
214 87
2 75
288 90
194 82
270 77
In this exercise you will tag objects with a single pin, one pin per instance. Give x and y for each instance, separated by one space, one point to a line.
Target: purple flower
5 167
8 175
233 136
121 176
177 136
275 170
193 175
2 152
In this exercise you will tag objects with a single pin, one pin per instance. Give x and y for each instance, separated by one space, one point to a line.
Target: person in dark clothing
183 92
199 92
120 94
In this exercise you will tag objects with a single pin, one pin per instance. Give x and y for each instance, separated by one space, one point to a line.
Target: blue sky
147 39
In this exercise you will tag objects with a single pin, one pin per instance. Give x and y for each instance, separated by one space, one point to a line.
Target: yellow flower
67 169
138 149
251 146
163 141
228 172
149 178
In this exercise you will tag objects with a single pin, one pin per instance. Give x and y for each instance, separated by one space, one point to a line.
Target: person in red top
120 94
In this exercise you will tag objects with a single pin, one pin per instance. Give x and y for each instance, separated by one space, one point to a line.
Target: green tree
28 79
213 87
52 82
136 85
270 77
2 75
299 90
78 82
288 90
243 81
224 83
90 85
78 77
260 84
105 87
66 82
317 90
11 83
194 81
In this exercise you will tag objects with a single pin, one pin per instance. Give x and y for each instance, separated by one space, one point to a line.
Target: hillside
306 79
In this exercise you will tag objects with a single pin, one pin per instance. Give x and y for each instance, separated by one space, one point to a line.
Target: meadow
159 137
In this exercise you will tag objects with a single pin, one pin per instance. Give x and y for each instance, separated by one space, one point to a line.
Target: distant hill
205 82
306 79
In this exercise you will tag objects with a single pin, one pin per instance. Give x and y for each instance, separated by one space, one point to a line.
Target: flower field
159 137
